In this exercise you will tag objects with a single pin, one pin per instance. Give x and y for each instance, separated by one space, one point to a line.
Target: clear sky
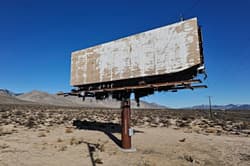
38 36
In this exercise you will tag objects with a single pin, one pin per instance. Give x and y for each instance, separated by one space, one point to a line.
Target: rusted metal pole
125 121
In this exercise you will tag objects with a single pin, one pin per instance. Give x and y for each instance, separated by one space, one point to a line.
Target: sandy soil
39 135
61 145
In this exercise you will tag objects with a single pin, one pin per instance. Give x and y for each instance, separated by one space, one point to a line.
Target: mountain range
8 97
34 97
223 107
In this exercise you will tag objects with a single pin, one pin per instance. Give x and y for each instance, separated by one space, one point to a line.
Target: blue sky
38 36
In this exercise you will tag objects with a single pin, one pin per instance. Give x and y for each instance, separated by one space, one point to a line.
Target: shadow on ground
107 128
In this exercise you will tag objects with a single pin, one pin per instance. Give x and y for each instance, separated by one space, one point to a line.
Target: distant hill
52 99
39 97
8 97
224 107
45 98
6 92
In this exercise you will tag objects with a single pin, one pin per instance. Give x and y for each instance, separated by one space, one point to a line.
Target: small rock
98 161
176 128
182 140
245 131
181 123
229 122
146 119
211 130
162 125
157 119
188 158
153 125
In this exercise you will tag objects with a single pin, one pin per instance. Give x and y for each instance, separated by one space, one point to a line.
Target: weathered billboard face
160 51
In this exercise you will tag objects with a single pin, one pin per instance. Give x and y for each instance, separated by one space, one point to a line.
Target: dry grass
4 146
4 130
41 134
101 148
59 140
68 130
74 141
62 148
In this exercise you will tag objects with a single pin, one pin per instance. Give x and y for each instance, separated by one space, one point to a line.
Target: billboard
166 50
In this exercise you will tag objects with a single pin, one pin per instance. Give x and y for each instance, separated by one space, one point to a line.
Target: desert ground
33 134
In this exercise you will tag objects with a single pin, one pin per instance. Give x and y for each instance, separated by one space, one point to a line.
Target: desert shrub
5 115
72 141
59 140
4 109
30 122
62 148
42 134
41 115
184 117
101 148
166 123
242 126
65 118
180 123
18 113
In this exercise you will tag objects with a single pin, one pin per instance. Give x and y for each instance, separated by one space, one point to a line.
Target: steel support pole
125 121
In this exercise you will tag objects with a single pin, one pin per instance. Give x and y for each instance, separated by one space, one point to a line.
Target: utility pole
210 107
